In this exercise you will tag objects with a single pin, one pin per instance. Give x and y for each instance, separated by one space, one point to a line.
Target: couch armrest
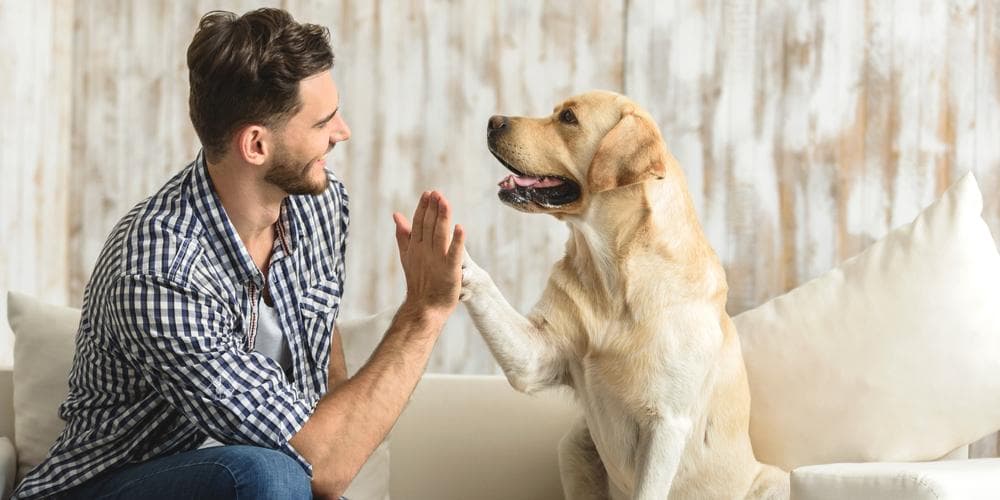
977 479
7 402
8 467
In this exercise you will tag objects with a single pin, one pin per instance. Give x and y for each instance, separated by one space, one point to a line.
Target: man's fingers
402 231
441 237
430 215
457 250
418 217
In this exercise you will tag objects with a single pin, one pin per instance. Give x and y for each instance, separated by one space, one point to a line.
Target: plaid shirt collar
226 242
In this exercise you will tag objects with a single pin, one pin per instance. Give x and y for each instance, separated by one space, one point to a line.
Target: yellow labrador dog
633 318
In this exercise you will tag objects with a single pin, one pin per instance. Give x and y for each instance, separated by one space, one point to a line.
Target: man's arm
355 416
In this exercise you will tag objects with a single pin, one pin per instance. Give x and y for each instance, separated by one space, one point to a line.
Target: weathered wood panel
35 78
806 129
809 129
418 81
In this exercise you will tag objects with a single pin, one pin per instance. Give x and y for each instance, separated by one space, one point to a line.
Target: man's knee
260 473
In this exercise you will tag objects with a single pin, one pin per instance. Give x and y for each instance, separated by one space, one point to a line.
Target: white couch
472 437
868 382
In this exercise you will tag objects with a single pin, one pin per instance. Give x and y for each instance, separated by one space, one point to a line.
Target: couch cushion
8 467
43 354
892 356
475 437
951 480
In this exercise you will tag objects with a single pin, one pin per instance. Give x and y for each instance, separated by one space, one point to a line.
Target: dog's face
590 143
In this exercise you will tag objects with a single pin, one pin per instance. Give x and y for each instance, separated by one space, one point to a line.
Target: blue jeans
244 472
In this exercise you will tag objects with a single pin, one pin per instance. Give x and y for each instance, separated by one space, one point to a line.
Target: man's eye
567 117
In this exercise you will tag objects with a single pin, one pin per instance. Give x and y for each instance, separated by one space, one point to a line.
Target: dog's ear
633 151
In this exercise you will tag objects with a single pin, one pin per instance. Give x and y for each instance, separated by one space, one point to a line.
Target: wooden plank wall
35 106
806 129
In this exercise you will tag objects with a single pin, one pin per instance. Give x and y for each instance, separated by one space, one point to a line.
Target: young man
207 361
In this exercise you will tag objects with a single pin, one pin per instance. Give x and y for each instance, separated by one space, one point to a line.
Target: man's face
299 158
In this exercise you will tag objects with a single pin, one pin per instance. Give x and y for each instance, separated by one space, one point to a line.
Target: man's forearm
355 416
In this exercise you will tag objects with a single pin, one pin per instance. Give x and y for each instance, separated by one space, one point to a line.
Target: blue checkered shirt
164 353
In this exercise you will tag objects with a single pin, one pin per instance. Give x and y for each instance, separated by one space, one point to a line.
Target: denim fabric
244 472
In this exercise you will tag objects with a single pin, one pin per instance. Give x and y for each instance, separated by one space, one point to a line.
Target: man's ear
253 144
633 151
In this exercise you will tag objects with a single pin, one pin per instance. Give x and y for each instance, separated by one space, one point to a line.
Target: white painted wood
35 79
807 130
418 82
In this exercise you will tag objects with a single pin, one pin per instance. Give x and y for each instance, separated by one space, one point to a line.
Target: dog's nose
496 123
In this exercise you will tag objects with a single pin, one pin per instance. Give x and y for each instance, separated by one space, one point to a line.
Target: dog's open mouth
548 191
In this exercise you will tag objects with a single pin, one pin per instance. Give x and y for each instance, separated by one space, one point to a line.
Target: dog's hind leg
580 467
771 483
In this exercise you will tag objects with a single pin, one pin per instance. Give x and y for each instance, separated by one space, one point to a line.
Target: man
209 318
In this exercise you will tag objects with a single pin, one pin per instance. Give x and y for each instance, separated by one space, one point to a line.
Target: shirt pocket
319 305
320 300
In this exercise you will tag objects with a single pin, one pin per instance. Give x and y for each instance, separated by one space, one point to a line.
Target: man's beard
291 175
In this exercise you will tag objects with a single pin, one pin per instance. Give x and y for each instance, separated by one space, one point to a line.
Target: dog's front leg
658 454
529 362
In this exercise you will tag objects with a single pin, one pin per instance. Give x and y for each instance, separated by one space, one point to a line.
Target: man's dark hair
246 70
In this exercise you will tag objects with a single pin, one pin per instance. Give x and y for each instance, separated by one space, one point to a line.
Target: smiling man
208 364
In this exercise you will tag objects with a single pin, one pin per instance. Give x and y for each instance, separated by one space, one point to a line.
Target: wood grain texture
419 81
806 130
35 162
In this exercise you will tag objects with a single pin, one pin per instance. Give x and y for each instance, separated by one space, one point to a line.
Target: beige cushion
953 480
6 336
43 354
8 467
474 437
892 356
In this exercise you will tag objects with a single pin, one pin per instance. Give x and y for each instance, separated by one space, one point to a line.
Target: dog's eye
567 117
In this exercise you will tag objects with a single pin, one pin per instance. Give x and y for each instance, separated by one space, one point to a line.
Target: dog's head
591 143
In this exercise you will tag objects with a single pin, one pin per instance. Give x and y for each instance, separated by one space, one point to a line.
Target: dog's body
633 317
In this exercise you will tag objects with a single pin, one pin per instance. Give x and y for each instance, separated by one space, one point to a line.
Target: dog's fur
633 318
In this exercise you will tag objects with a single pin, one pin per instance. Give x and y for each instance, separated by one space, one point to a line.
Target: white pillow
43 355
892 356
977 479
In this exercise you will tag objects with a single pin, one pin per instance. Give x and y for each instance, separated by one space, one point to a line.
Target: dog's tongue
527 181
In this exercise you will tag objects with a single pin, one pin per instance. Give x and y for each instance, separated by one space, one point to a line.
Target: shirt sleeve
183 343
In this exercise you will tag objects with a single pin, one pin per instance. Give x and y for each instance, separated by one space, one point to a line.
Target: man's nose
341 132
